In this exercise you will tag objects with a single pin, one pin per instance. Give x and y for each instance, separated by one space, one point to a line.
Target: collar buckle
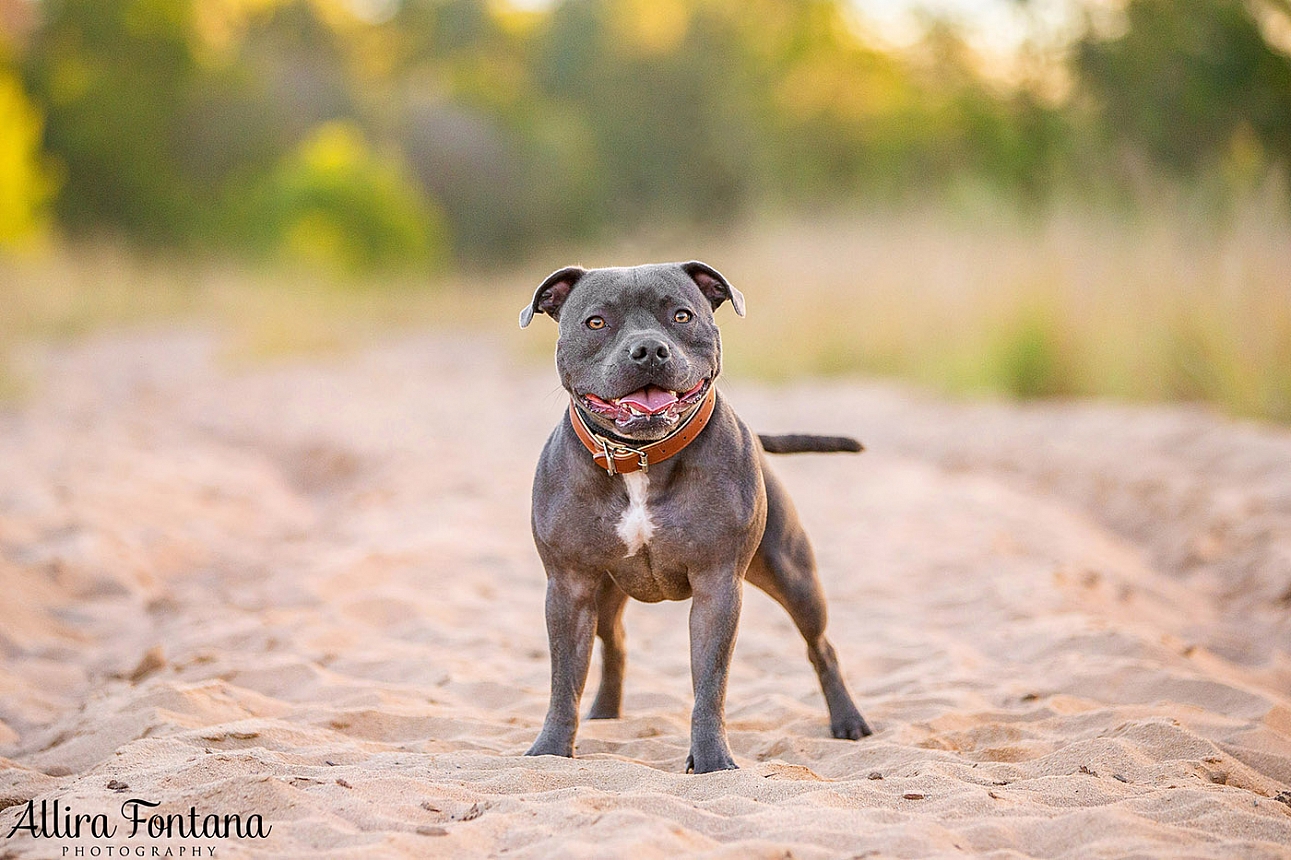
612 449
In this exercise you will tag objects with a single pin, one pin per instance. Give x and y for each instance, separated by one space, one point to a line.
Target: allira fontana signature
52 820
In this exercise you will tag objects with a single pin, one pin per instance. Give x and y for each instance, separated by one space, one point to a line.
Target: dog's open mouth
650 405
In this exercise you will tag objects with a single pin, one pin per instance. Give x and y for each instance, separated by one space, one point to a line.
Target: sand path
309 592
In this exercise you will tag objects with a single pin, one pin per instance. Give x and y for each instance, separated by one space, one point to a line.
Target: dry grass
1075 303
262 314
1163 308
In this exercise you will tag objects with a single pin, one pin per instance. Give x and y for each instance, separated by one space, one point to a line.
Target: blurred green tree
113 75
27 181
1187 80
336 203
662 89
175 121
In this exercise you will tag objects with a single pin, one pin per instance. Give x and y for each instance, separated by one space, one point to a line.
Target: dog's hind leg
785 568
610 602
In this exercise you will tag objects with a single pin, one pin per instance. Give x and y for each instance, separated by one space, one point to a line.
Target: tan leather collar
617 458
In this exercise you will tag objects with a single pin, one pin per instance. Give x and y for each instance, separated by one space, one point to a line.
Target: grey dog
654 489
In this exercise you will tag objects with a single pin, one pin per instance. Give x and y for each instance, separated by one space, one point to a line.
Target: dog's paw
850 727
542 747
604 712
708 763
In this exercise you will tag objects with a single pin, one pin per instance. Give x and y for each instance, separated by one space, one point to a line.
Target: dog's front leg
714 618
571 626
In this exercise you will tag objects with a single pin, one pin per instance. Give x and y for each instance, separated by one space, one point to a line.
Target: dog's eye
683 316
595 322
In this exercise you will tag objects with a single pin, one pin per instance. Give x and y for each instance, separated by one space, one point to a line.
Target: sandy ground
308 592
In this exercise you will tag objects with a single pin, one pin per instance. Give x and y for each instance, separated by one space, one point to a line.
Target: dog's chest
644 562
636 526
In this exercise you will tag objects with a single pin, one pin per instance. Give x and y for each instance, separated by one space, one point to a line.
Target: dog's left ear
714 287
551 294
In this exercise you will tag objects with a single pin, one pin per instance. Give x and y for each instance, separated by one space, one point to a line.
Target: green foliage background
471 130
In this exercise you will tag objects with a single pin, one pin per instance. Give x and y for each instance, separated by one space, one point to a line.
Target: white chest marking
635 526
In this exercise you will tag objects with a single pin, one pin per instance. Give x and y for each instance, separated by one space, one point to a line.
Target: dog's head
638 347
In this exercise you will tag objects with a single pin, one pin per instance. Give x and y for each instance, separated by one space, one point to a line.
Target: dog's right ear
551 294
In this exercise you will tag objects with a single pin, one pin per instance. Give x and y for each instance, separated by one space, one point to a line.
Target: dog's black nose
650 352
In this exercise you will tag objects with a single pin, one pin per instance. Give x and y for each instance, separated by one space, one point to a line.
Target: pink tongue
650 399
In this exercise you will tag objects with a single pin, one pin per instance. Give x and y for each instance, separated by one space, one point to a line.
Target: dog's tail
803 443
